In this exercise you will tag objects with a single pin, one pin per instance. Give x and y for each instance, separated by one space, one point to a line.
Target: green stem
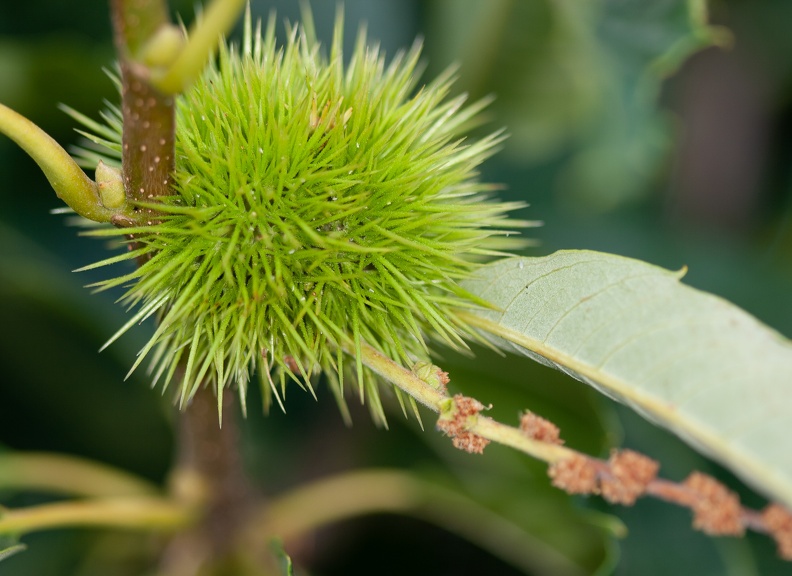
483 426
311 506
405 379
69 475
202 41
304 509
8 552
514 438
65 176
141 513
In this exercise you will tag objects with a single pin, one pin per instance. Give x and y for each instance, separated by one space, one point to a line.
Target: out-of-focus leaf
685 359
640 45
511 484
52 368
438 501
9 545
283 559
579 77
11 550
519 518
502 481
538 57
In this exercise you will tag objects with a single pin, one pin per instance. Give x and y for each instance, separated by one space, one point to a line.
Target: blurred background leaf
284 562
9 549
614 150
581 80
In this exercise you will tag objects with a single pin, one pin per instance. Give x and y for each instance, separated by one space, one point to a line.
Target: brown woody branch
148 115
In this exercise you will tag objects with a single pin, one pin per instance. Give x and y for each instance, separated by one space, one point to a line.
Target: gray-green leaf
685 359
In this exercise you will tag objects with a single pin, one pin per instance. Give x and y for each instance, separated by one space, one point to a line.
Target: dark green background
614 148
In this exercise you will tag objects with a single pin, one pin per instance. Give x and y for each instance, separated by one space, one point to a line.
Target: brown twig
628 475
209 456
148 115
209 467
622 479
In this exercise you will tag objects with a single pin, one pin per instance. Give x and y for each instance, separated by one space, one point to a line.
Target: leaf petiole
67 179
202 41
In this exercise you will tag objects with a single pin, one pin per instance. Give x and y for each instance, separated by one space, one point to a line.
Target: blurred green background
630 134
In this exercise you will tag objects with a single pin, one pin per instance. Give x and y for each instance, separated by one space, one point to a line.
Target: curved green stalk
66 178
202 41
359 493
10 551
69 475
434 399
141 513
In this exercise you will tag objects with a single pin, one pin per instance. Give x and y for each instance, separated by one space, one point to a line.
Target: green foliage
685 359
284 562
317 205
9 545
580 82
54 403
11 550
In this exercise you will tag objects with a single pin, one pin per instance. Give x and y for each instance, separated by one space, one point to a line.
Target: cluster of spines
318 206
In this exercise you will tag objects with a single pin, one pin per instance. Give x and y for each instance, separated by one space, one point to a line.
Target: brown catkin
575 475
716 510
456 421
778 521
538 428
629 475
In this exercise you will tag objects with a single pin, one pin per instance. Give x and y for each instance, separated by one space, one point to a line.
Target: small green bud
111 186
447 409
65 176
162 49
431 374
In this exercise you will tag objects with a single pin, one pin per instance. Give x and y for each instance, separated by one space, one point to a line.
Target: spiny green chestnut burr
318 203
